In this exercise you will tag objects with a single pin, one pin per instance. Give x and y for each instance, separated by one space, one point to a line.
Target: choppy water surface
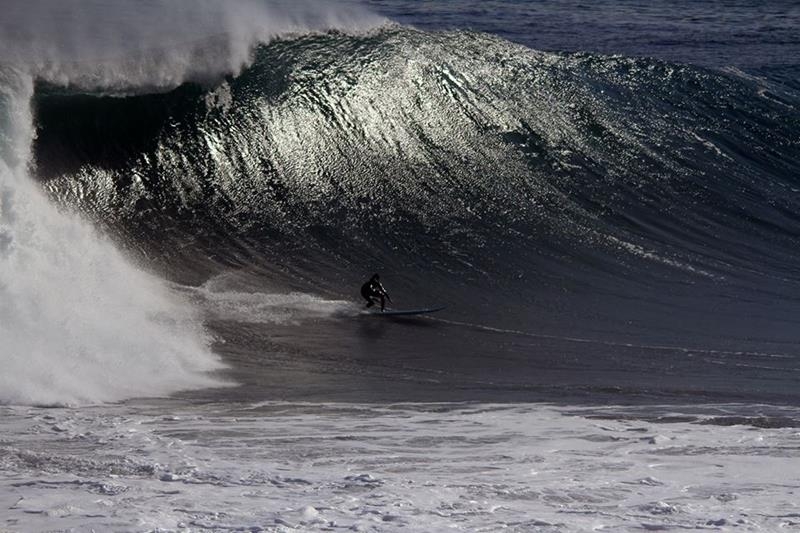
317 467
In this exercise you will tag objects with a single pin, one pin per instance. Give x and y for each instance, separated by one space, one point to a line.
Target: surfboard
405 312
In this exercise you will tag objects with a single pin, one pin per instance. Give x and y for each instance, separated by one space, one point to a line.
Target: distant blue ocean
762 38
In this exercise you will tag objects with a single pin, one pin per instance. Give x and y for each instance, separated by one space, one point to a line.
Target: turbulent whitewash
275 466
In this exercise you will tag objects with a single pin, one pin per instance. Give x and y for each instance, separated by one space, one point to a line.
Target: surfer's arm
383 292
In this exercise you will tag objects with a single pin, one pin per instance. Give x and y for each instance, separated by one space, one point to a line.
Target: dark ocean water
605 195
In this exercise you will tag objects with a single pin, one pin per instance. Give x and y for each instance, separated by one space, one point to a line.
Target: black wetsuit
373 289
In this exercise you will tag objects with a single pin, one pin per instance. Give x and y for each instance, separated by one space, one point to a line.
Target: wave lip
119 46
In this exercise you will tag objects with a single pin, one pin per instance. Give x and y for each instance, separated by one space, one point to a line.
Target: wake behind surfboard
404 312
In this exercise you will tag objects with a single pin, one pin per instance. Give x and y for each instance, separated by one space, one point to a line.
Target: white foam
77 322
122 45
254 306
414 467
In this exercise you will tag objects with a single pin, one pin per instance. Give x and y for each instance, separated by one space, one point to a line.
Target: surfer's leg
367 296
383 302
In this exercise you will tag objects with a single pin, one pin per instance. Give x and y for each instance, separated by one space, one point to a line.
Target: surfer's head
375 277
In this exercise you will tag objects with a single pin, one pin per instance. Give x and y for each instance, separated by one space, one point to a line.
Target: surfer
373 289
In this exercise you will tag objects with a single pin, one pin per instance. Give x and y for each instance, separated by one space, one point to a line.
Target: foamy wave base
78 323
277 466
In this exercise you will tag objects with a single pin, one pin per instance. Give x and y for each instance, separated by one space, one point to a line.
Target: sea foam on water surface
423 467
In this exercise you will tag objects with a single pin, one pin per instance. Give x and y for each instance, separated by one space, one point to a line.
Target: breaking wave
458 151
462 162
79 323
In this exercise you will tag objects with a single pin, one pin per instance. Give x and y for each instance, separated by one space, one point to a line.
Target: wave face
449 148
